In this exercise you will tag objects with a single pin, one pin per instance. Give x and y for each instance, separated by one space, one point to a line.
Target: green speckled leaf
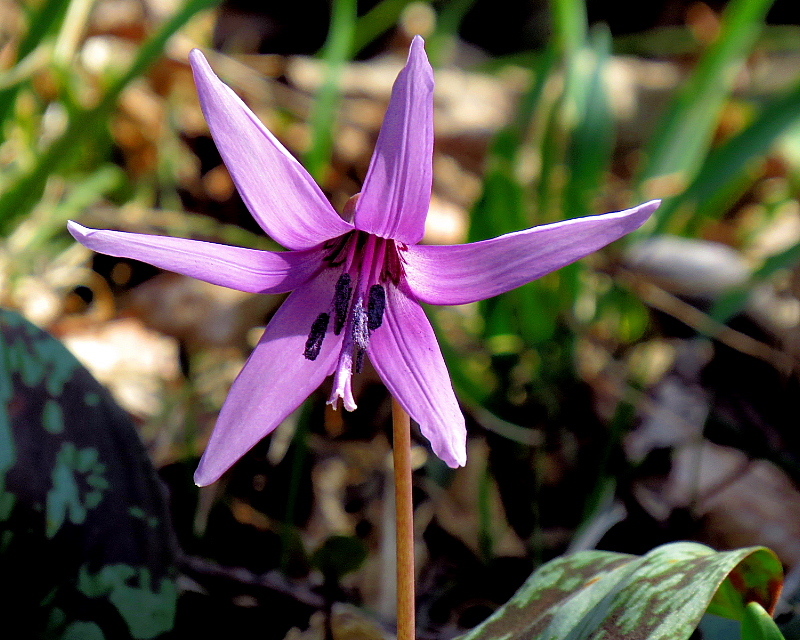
148 612
598 595
83 631
79 497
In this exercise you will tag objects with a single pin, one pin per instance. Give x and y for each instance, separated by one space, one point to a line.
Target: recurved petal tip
208 473
201 481
234 267
647 209
78 231
453 456
204 75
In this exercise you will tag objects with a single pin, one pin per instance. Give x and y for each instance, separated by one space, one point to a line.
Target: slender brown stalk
406 622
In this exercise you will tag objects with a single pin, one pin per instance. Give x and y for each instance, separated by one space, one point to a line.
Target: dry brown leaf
133 361
740 501
347 623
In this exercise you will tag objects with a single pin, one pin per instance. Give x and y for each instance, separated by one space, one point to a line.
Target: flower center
367 265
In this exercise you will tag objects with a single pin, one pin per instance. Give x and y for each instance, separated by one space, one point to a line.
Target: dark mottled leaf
86 546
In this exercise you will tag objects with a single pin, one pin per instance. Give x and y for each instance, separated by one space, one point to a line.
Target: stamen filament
352 249
377 265
367 263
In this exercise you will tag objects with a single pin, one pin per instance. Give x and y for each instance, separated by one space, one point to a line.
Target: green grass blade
93 187
685 132
569 25
592 143
23 193
757 624
336 53
440 43
24 70
375 22
72 29
569 41
44 231
501 207
726 164
43 22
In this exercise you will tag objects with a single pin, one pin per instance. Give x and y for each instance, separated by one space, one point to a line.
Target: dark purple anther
316 336
376 306
341 301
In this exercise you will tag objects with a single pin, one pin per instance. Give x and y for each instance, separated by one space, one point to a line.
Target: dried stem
406 622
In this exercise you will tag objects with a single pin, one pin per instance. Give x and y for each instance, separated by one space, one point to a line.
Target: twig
701 322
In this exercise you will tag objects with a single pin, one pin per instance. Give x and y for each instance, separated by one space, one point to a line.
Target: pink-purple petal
234 267
278 191
458 274
406 355
276 379
397 190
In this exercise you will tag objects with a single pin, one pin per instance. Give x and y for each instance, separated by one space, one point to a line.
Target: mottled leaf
663 594
85 537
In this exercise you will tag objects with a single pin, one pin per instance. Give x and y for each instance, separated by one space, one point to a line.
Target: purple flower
357 280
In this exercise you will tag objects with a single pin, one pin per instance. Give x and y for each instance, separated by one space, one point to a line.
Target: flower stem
406 623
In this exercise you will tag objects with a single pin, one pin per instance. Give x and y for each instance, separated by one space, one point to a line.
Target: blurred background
647 394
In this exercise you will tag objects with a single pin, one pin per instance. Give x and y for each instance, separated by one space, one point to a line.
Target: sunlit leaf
663 594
